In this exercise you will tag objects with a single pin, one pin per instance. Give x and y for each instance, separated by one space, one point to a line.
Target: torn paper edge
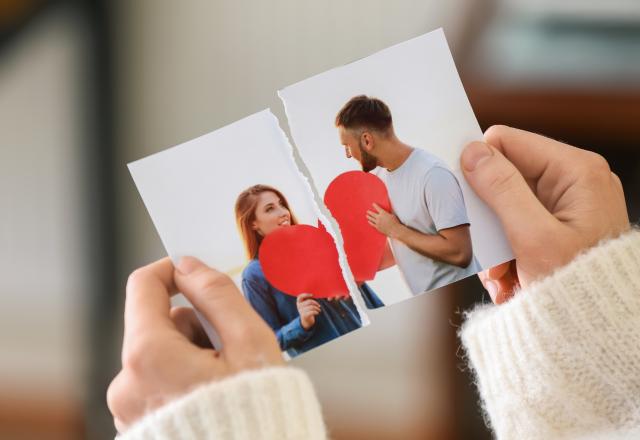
329 222
336 233
318 208
325 218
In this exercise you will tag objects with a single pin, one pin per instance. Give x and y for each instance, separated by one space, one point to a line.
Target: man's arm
449 245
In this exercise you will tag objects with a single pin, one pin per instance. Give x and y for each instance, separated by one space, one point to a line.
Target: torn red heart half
349 196
302 259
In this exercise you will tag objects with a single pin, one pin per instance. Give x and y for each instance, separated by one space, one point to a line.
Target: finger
496 289
498 271
312 311
483 275
506 284
304 297
308 305
513 276
532 154
377 207
503 296
148 301
504 189
315 307
123 401
187 323
617 183
216 296
490 283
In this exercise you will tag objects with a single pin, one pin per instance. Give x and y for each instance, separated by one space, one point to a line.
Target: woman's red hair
245 209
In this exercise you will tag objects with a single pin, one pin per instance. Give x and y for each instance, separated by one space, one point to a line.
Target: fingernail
475 153
492 288
187 265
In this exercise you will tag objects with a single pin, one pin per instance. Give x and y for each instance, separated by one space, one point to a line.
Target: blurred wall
44 234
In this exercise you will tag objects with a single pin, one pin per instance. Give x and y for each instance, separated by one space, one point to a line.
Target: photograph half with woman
303 322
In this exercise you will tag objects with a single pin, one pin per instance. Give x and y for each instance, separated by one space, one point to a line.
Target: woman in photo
300 323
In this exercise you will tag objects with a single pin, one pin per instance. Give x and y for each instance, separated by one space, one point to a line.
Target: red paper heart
349 196
302 259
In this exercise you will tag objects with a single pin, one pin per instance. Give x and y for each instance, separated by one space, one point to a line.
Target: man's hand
162 353
450 245
383 221
553 200
308 309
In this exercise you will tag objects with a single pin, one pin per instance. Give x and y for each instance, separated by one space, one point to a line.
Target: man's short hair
364 112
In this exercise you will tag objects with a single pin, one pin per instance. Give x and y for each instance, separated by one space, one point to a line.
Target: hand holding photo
234 199
382 141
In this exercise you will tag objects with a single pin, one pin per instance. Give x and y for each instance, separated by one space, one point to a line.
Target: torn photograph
234 198
398 120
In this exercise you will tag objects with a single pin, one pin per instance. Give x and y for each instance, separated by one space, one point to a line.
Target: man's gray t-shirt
426 196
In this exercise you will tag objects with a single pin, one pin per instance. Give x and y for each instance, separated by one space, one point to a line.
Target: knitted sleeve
272 403
562 358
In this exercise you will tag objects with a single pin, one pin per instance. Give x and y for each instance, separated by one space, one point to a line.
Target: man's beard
367 161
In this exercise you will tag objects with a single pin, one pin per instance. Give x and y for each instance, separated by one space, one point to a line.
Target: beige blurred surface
181 69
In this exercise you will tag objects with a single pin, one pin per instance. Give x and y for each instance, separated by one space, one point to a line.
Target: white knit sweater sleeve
562 358
272 403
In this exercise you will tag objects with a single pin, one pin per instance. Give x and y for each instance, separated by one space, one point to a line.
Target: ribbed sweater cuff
563 356
272 403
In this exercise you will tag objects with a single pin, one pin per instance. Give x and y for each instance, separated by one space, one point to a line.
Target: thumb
216 296
499 183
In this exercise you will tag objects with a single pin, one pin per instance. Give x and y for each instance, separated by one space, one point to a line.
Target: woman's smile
271 213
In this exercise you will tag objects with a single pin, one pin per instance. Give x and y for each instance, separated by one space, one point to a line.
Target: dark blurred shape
15 14
37 413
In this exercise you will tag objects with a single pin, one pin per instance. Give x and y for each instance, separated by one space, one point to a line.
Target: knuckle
617 182
132 359
137 277
616 179
595 167
179 313
495 131
115 396
597 162
212 280
136 355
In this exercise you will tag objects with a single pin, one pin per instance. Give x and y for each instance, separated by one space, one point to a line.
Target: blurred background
87 86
